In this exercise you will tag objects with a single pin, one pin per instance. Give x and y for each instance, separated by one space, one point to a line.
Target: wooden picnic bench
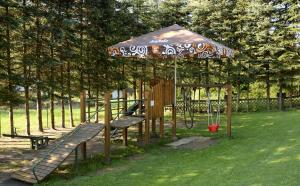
37 142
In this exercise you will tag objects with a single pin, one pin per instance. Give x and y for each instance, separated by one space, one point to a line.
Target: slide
130 110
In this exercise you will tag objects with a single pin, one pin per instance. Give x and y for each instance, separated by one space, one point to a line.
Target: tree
9 76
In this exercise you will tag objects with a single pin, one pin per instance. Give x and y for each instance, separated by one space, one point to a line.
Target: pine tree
174 12
285 50
9 76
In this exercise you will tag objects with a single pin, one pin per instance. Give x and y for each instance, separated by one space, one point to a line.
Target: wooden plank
49 164
45 168
125 122
27 176
40 174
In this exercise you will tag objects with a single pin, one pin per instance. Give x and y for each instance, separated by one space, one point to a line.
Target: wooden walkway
127 121
57 153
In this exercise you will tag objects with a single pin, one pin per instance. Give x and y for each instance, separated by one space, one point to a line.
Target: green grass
19 119
265 150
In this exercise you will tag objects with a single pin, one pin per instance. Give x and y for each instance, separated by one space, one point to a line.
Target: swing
213 126
188 111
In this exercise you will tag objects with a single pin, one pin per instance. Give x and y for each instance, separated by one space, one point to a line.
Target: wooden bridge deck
58 153
127 121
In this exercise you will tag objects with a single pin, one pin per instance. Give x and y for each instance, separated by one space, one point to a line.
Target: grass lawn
265 150
19 119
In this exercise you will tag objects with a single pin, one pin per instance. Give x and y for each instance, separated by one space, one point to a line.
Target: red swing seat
213 128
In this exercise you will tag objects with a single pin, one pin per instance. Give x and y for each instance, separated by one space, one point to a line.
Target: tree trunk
248 98
26 74
268 87
280 97
62 95
38 73
27 113
69 94
39 101
90 98
9 74
52 116
97 106
71 111
238 96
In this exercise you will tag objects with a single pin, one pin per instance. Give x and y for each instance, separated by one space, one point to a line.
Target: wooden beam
82 107
229 109
107 118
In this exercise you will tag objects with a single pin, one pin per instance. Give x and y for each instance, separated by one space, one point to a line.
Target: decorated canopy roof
172 41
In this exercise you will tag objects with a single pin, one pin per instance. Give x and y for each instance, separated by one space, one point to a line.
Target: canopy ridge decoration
173 41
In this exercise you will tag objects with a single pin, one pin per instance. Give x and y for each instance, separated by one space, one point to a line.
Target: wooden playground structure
153 97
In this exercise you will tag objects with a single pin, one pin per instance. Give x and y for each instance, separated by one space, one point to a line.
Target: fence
245 105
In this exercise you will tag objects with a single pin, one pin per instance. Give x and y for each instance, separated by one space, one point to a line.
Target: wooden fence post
82 107
107 119
229 109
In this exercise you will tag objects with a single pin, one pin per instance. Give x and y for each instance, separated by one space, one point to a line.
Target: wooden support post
76 158
125 105
125 136
161 127
107 118
140 130
174 122
118 106
147 117
229 109
83 150
82 107
153 125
